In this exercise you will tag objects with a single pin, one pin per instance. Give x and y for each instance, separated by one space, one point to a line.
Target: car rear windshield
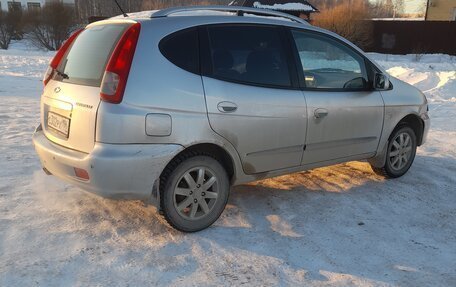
87 58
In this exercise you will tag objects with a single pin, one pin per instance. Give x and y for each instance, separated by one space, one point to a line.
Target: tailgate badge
57 90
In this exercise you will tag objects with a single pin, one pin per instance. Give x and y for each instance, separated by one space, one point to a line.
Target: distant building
441 10
7 5
299 8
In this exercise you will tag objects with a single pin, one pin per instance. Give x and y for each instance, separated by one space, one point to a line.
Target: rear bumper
115 171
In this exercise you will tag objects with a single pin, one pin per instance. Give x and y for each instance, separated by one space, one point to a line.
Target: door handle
320 113
227 107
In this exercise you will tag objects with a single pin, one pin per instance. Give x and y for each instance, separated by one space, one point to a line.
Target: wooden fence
414 37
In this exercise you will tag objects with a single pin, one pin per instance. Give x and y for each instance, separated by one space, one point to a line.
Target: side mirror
380 81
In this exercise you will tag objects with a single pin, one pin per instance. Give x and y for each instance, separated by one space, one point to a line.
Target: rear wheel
400 154
195 192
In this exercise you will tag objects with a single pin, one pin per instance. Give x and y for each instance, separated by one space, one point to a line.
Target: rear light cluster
118 68
59 56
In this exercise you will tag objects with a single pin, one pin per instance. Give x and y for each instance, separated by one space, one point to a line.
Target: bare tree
10 27
348 20
398 7
6 30
49 27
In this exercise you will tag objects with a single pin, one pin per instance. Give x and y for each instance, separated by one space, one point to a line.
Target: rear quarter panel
155 85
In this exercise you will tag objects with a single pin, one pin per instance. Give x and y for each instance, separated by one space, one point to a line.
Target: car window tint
248 54
86 60
181 48
328 64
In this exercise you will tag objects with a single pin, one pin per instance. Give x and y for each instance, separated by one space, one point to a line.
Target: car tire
194 193
400 153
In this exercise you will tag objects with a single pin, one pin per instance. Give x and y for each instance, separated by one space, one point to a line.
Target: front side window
249 55
328 64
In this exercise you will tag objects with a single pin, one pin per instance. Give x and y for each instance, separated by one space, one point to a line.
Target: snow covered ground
335 226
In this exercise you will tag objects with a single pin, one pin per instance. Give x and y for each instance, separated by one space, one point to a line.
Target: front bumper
126 171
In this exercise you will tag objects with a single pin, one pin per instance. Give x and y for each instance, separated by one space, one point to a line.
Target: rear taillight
118 68
59 55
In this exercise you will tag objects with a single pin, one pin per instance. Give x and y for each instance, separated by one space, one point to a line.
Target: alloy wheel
400 152
196 193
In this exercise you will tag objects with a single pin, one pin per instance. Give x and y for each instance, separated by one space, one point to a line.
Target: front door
250 97
345 116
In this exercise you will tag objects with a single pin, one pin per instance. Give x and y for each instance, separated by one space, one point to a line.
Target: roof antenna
120 8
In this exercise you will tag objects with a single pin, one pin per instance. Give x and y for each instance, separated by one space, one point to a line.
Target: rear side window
181 49
86 60
248 54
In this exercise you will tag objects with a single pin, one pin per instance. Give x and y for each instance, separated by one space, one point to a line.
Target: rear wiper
62 74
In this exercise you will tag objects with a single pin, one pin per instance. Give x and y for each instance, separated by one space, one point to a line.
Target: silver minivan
177 105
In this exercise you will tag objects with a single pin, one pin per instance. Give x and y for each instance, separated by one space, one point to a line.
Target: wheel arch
409 119
415 123
211 149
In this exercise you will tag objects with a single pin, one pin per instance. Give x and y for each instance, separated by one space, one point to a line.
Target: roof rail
240 11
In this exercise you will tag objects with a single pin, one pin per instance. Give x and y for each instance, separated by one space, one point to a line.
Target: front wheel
195 193
400 154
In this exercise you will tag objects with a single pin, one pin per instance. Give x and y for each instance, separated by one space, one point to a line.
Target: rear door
251 97
70 100
345 115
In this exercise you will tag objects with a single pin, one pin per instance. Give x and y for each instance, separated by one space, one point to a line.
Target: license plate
59 124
